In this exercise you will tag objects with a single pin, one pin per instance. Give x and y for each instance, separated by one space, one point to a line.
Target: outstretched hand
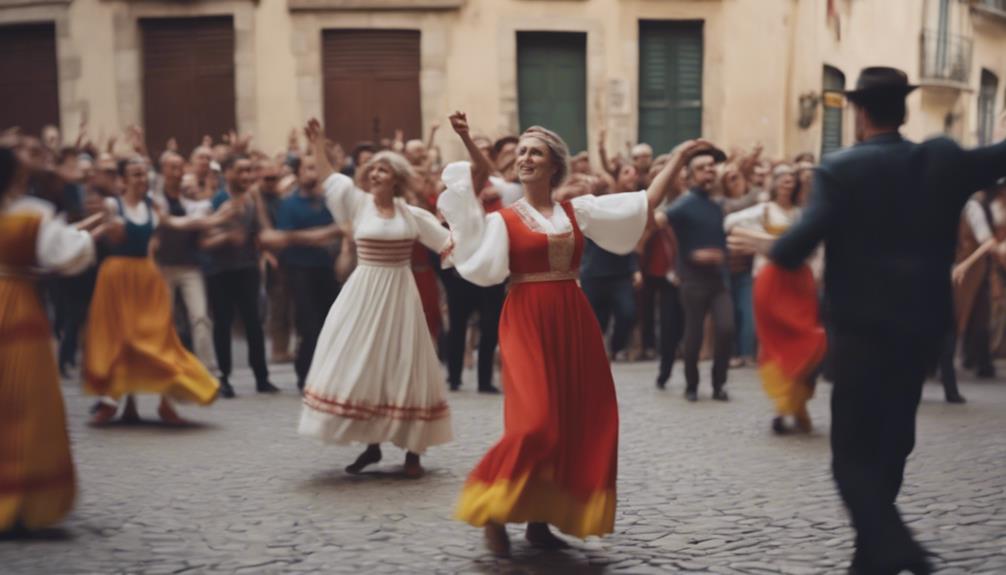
313 131
746 241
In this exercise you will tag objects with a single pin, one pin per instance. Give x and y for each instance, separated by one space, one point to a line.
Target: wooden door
29 79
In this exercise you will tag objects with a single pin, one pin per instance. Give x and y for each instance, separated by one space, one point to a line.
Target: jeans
230 291
189 282
612 296
314 289
742 288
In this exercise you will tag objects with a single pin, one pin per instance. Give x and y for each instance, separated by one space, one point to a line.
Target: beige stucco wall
760 56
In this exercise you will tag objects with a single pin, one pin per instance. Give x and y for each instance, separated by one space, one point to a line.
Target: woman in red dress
556 462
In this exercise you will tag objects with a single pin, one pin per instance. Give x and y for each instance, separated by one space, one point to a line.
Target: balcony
946 60
992 8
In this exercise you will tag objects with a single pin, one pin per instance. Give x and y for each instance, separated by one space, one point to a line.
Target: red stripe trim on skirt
361 411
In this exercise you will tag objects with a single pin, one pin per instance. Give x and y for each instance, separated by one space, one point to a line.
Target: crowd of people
366 270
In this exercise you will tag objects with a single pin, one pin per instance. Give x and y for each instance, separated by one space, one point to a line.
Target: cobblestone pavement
703 488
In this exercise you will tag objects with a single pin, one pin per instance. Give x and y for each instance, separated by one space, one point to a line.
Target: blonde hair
400 168
780 172
557 148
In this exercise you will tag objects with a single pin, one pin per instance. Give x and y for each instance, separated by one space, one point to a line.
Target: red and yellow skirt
557 460
131 345
791 340
37 484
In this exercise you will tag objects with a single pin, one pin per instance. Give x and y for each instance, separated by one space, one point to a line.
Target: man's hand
313 131
958 274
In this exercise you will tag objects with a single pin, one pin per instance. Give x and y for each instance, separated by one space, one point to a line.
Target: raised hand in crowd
482 168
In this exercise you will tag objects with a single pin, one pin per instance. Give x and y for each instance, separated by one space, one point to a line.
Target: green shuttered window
833 102
552 84
670 82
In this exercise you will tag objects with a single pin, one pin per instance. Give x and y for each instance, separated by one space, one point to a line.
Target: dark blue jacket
887 210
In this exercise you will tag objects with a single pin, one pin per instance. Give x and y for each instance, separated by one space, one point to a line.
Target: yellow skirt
37 485
131 344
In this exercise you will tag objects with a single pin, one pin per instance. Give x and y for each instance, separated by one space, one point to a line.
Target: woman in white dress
375 376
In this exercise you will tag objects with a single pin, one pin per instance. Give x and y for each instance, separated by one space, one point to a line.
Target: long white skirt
375 376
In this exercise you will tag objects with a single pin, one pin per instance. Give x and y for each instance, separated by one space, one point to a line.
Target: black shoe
779 426
454 385
226 391
661 382
721 395
986 372
266 387
491 390
956 398
692 396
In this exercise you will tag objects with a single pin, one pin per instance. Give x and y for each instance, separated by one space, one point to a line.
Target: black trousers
698 300
463 299
878 384
609 297
314 290
75 294
230 291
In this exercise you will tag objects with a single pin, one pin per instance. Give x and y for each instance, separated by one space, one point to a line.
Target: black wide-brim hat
880 81
718 155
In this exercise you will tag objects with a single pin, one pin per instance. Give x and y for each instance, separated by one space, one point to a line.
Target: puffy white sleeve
59 247
615 222
342 197
431 233
481 251
748 218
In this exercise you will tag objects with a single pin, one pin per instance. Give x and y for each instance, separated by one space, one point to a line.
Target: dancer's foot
497 540
226 391
721 395
737 362
413 469
691 396
168 414
266 387
491 390
539 535
103 413
779 426
661 382
454 385
130 414
282 357
956 398
369 456
803 423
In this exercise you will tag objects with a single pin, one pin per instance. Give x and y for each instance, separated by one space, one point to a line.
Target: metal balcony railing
996 7
946 58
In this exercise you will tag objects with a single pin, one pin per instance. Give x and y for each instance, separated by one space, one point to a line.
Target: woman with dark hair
556 463
132 346
36 467
375 376
790 334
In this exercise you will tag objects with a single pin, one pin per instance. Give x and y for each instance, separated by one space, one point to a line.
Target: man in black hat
887 210
697 221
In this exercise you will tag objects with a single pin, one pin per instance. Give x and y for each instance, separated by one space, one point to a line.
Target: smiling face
381 178
627 178
785 185
702 172
136 178
534 161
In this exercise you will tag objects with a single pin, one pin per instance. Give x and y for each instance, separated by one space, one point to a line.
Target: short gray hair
557 148
400 167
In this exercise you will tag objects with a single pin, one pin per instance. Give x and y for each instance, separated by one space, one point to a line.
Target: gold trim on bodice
552 276
560 251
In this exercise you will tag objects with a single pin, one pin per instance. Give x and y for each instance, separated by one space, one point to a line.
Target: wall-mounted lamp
808 109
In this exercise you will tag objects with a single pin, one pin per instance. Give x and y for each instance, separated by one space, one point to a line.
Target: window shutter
670 82
29 81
